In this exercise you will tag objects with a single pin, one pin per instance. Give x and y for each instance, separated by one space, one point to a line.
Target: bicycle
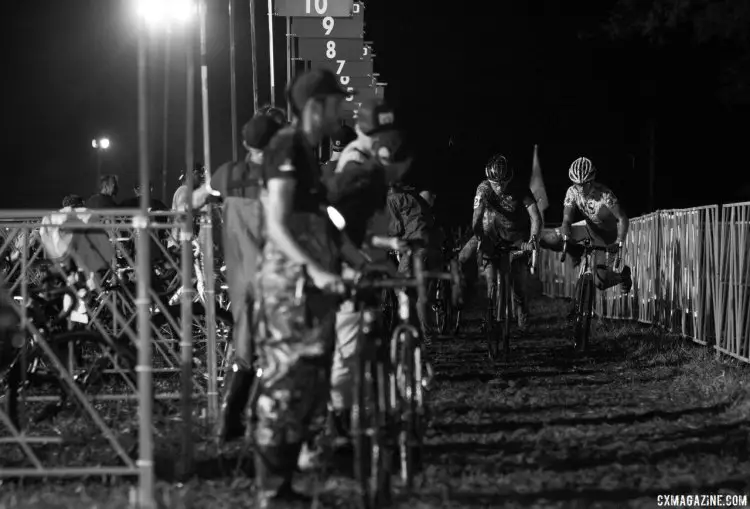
447 314
499 311
29 366
389 396
583 299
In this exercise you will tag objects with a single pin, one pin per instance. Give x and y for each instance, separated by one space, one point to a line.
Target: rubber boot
239 382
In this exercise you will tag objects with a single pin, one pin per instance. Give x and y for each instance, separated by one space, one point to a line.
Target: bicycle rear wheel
584 305
444 308
411 422
370 424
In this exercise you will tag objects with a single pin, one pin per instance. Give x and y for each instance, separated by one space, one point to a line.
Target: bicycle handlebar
589 247
393 280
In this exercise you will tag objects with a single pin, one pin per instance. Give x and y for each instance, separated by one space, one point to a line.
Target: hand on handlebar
327 281
531 245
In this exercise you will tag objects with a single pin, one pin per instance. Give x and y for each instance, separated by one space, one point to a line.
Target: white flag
537 184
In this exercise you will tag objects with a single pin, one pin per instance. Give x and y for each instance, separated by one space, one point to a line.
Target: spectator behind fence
135 202
105 198
90 249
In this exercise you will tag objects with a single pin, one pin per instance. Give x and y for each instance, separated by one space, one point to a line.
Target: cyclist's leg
490 276
467 260
519 271
605 276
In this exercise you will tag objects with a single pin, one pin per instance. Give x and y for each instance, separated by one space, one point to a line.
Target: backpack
242 211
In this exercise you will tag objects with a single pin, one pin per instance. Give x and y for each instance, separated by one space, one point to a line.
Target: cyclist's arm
569 210
568 216
476 218
623 222
536 220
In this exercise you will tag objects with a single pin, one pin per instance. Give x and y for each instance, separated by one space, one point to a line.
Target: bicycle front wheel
505 312
583 312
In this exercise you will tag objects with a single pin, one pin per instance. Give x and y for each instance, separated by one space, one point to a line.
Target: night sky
490 76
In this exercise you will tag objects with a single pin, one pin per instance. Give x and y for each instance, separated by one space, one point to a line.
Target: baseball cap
312 84
342 137
257 133
375 116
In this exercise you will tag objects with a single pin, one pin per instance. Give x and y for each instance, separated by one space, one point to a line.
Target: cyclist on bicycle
606 224
499 221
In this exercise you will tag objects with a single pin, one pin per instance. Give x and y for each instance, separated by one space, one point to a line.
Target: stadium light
101 143
156 12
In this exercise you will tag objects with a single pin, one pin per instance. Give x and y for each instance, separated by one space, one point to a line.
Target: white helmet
581 171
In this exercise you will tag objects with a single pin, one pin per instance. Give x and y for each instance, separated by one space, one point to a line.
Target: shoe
239 381
627 280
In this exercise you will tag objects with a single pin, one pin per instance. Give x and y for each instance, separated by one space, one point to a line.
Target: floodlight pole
270 52
165 153
186 236
207 235
254 55
233 80
145 435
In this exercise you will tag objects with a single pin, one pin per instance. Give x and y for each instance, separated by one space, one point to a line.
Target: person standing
294 343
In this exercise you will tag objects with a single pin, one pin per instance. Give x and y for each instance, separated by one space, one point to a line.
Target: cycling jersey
505 218
595 204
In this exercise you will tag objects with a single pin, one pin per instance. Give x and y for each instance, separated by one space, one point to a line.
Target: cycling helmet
581 171
498 169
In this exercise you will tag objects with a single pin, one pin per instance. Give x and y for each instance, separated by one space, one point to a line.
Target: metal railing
691 273
177 332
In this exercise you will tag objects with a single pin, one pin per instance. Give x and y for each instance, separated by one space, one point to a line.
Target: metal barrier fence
690 270
57 364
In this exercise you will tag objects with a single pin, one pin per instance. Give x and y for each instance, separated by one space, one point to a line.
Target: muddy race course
641 415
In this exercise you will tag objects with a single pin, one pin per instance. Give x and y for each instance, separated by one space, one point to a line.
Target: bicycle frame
583 300
500 300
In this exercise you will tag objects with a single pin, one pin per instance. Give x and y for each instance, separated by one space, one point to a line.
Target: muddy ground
641 415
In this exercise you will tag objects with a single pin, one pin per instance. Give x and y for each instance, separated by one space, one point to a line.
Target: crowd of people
277 231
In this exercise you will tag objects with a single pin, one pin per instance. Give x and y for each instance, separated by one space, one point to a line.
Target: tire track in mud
547 429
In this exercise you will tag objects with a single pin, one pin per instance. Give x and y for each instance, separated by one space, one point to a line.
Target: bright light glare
94 143
336 218
166 11
104 143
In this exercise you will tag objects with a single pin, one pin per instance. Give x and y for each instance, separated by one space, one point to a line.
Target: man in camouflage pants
295 332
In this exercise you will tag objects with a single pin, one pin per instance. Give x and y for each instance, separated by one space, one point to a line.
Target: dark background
468 79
